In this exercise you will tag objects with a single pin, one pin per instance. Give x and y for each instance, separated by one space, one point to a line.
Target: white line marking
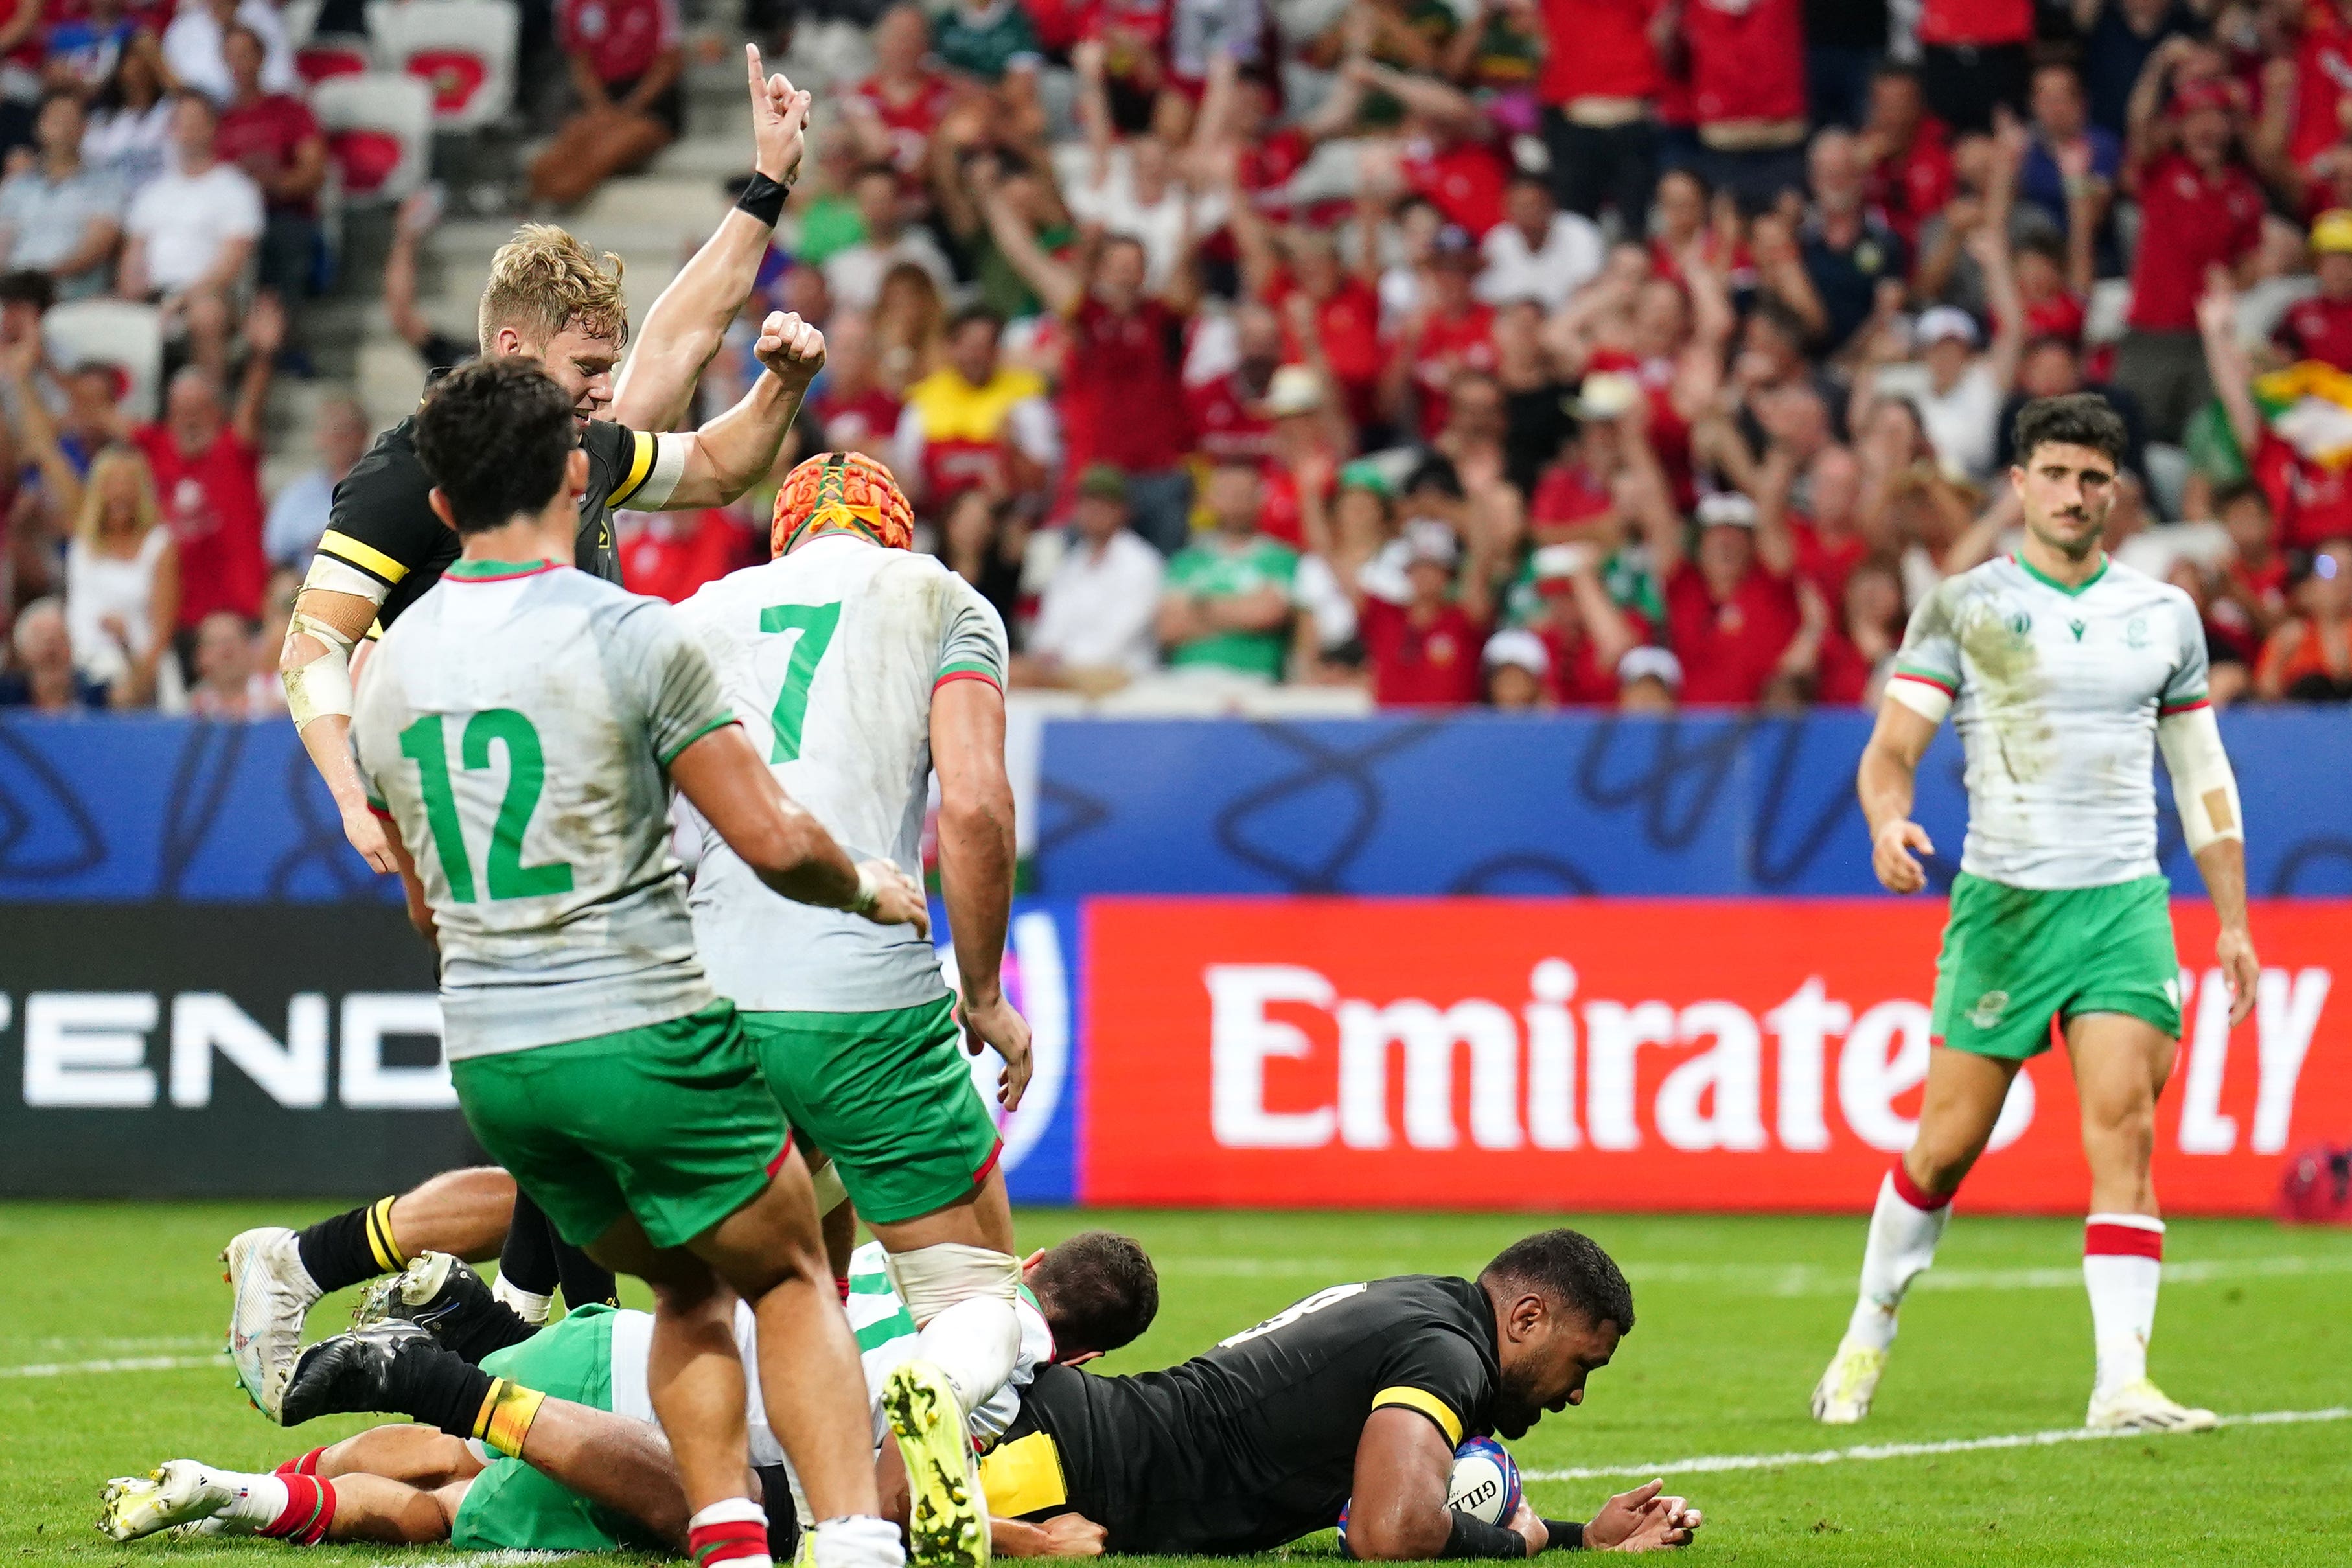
1708 1463
120 1363
151 1342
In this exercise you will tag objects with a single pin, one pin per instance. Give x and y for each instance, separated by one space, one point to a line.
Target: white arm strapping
323 686
1930 702
661 479
2204 787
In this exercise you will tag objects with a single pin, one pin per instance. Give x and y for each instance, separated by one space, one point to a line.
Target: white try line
119 1363
1709 1463
1799 1278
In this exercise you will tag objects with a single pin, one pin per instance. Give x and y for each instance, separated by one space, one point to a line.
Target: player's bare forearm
734 451
2222 864
786 848
688 323
1888 780
1397 1511
978 857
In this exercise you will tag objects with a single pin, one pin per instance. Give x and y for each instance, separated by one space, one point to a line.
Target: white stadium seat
379 128
122 334
464 49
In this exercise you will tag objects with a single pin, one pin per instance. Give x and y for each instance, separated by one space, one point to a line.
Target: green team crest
1986 1014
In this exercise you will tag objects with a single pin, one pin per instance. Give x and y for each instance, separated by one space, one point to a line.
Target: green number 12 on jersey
526 777
814 622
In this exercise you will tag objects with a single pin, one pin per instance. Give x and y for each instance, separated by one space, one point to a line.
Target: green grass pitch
1737 1315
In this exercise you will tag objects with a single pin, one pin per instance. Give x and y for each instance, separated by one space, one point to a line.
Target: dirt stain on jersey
2012 687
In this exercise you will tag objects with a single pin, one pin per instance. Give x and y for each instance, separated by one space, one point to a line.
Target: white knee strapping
934 1279
825 1182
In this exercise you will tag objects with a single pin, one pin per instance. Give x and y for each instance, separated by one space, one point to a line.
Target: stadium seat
122 334
318 55
464 49
379 128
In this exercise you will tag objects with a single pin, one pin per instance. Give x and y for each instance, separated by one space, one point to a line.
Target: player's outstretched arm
688 323
786 847
315 667
1886 782
735 451
1397 1511
977 858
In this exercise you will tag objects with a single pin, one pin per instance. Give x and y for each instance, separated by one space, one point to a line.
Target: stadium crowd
1532 353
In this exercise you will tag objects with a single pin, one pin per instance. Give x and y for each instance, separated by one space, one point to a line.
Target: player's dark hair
2074 419
494 435
1571 1267
1098 1290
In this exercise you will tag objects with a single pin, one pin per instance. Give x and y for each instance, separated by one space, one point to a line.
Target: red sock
307 1465
1911 1193
727 1542
309 1509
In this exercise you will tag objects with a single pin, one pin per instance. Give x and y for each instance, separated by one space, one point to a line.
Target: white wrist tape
2204 787
869 893
322 685
934 1279
1930 702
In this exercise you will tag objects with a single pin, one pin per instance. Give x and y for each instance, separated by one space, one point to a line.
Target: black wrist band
1473 1537
1561 1535
764 198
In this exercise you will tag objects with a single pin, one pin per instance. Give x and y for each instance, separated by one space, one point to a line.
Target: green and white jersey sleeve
2056 694
514 725
830 656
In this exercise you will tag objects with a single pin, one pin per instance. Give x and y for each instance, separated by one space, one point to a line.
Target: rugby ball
1485 1484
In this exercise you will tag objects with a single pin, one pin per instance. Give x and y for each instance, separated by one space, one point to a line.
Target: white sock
1903 1237
975 1342
740 1548
255 1503
857 1541
528 1305
2123 1260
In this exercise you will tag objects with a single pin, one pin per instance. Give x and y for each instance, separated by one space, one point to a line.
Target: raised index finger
759 78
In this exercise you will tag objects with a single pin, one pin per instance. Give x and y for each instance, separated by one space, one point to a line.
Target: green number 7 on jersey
815 625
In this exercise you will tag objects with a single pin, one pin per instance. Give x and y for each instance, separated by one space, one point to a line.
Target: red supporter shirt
1349 323
1611 55
2311 502
2322 73
1279 515
1463 181
1122 387
909 122
1827 563
2205 221
2059 316
1227 422
1747 59
1727 650
1670 433
1567 494
213 503
262 138
1423 666
1976 22
2318 328
867 421
1448 345
1912 185
620 37
1843 676
1267 165
673 553
1579 678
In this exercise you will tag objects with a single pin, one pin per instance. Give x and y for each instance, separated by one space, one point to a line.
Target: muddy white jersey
829 655
516 724
2056 693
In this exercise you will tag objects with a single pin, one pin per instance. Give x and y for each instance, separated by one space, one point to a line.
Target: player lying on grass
521 731
1354 1397
592 1473
2063 671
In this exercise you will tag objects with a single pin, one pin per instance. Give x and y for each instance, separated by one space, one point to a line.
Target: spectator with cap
2318 328
1518 671
1958 390
1538 252
1226 604
1424 652
1649 680
193 231
1585 631
2199 209
1731 604
58 215
45 679
1094 622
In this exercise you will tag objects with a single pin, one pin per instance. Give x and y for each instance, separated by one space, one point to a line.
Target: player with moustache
1356 1396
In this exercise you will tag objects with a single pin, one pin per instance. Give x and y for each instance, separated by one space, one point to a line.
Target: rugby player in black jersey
1356 1396
552 299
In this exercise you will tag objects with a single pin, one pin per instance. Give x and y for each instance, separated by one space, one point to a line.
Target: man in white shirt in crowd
192 47
59 216
1094 630
298 516
1538 252
192 232
854 276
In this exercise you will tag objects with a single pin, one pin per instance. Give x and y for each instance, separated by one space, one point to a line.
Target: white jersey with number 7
829 655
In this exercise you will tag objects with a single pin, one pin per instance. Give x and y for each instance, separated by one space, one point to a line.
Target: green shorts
889 1096
2016 958
670 1122
514 1507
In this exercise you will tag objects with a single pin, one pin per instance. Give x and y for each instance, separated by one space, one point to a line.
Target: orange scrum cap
846 491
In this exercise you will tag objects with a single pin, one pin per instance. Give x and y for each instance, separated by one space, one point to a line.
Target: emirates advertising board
1588 1054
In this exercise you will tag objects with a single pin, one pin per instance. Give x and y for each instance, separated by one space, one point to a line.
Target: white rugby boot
2140 1406
273 1294
1842 1395
179 1492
